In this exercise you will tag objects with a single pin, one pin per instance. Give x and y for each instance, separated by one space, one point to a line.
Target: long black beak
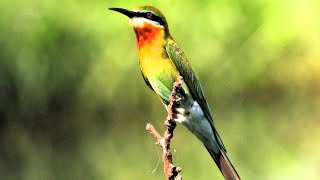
126 12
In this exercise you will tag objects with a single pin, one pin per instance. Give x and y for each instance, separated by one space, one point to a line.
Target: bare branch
171 171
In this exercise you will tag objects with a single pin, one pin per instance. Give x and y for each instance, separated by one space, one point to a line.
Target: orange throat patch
147 34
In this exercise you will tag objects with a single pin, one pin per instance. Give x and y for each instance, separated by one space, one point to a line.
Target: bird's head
143 16
147 21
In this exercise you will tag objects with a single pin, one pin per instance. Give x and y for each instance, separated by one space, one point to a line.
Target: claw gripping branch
171 171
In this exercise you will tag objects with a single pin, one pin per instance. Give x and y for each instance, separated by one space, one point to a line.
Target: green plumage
161 63
180 61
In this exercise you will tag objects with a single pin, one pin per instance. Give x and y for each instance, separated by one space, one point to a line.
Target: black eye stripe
151 16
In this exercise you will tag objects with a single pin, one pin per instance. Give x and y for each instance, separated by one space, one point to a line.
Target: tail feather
224 164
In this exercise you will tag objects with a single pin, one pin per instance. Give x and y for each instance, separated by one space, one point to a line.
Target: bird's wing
180 61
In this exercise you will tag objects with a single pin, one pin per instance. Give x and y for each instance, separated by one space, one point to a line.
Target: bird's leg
181 95
177 106
179 99
180 92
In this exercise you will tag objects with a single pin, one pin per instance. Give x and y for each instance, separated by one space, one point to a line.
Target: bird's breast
154 61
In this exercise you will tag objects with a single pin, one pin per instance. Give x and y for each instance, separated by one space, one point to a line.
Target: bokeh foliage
74 104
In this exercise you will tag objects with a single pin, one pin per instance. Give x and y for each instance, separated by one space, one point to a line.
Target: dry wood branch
171 171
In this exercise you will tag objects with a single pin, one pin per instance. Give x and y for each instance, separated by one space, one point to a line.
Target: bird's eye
149 15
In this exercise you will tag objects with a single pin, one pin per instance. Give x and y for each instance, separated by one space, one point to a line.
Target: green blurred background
74 104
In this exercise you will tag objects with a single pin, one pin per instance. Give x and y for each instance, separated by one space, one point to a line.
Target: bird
161 62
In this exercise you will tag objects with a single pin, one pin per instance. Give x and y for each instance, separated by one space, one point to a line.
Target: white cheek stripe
140 22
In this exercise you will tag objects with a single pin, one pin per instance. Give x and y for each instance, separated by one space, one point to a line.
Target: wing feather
180 61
